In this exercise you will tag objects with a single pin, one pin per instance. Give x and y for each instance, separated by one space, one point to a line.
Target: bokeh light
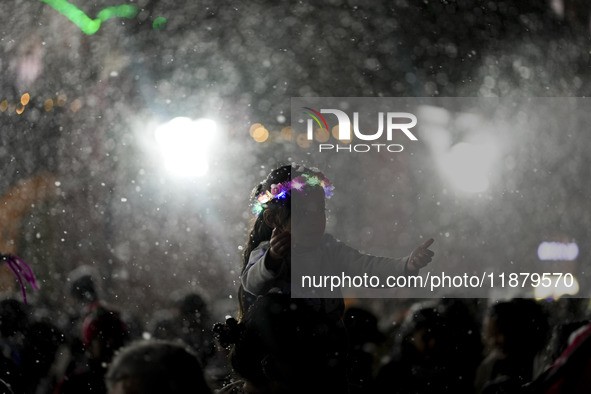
253 127
321 135
286 133
555 251
560 286
61 100
335 133
48 105
260 134
303 141
76 105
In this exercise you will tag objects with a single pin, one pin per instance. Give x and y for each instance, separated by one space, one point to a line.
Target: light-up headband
280 191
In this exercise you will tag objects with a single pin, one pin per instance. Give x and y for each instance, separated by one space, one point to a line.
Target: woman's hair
259 231
279 208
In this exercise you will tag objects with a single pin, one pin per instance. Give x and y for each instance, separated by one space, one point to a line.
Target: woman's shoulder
263 245
328 238
260 249
331 241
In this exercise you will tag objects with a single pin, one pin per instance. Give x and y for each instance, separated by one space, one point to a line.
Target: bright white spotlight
185 144
467 165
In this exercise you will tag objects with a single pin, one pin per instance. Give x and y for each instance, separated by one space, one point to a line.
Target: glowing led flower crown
282 190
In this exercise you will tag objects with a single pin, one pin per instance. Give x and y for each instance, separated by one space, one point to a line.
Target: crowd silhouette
282 345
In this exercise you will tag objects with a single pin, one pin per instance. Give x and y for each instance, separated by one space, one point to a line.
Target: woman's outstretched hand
420 256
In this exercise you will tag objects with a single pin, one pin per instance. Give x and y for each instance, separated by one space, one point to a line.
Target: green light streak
84 22
159 23
121 11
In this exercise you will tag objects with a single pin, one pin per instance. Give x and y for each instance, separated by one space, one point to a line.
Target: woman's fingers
422 256
280 242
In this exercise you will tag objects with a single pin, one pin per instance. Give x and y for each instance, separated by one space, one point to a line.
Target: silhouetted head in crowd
516 328
82 285
282 346
163 325
422 333
437 350
156 367
192 308
195 323
514 332
104 332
